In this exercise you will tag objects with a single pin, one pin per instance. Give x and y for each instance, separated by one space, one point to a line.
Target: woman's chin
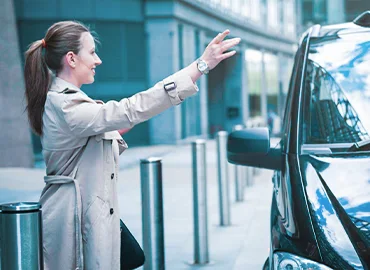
90 80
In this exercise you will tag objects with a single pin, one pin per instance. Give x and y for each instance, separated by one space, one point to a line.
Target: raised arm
86 118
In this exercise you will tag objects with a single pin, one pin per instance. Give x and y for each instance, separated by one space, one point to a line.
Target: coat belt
60 179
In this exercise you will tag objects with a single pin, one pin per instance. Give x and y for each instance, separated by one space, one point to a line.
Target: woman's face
86 60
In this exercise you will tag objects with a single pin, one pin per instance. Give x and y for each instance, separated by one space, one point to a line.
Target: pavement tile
243 245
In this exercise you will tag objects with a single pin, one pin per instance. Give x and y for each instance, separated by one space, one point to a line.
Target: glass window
289 18
319 11
214 2
272 14
136 46
226 3
338 80
272 90
111 34
254 69
255 7
286 67
307 10
246 8
236 5
281 14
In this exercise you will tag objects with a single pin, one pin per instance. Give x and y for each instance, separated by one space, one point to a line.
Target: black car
320 212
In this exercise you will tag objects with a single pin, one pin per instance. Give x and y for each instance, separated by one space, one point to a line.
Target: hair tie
43 43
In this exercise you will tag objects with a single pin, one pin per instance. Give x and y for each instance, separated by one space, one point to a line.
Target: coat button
112 176
111 211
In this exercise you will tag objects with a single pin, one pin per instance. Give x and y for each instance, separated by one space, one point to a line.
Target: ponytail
44 57
37 78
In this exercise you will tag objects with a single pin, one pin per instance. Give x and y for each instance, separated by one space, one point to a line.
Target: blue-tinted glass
338 78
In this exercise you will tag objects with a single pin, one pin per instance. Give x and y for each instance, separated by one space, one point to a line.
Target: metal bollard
201 254
223 179
239 175
21 236
152 213
250 176
238 127
239 183
248 171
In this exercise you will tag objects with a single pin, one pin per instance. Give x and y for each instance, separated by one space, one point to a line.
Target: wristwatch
202 66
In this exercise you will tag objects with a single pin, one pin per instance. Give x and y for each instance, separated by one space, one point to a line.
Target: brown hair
61 38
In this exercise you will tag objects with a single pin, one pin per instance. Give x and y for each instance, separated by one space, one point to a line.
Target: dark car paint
331 223
299 238
298 225
289 214
338 188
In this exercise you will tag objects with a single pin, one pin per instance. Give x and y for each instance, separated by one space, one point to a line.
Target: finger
214 39
227 55
231 40
220 37
227 44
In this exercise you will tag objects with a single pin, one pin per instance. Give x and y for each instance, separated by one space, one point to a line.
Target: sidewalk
244 245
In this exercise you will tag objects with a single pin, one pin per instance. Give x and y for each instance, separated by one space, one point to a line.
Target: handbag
132 256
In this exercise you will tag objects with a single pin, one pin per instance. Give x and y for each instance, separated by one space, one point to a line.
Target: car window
337 81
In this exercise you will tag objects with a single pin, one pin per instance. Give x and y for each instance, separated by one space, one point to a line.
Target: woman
81 144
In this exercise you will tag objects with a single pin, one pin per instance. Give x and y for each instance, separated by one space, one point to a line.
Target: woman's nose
98 61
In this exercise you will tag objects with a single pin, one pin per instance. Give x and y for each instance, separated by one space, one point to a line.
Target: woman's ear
70 59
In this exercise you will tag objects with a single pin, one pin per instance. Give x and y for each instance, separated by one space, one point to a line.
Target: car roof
340 29
358 25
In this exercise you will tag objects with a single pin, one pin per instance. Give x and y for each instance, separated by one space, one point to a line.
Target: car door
291 226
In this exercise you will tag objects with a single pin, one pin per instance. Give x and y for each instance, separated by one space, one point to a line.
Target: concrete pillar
298 4
15 140
281 69
336 11
190 111
244 85
263 89
203 89
163 60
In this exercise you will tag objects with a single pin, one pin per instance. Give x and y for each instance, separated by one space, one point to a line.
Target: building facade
145 41
15 137
332 11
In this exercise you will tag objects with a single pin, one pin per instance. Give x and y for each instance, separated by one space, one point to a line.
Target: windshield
337 85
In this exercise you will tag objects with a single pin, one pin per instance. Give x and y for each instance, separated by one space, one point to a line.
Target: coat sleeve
87 118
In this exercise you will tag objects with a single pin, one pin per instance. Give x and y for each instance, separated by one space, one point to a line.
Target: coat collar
59 85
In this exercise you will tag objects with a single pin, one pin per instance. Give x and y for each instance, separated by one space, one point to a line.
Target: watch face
202 66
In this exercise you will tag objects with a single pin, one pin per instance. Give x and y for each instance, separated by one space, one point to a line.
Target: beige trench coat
81 148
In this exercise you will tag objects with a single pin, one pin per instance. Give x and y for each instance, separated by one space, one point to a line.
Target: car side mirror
251 147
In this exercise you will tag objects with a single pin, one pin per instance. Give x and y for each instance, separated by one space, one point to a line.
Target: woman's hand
215 51
213 54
